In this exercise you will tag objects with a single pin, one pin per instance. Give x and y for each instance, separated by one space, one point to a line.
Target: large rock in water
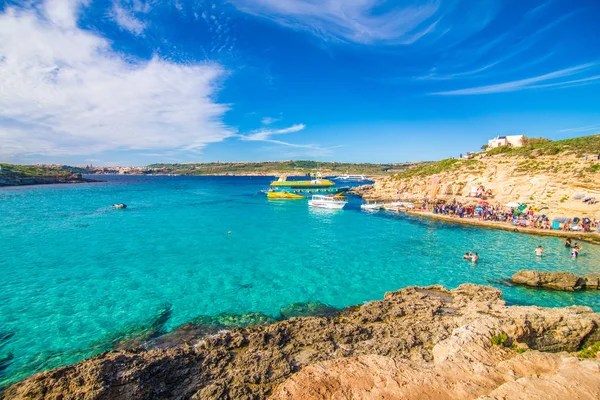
565 281
416 343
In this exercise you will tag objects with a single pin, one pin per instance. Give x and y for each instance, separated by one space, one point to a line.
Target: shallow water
73 270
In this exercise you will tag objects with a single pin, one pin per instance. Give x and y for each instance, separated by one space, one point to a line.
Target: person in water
475 258
568 243
467 255
575 250
539 251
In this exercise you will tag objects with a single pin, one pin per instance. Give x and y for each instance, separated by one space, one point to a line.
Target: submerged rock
565 281
314 309
131 337
204 325
5 361
415 343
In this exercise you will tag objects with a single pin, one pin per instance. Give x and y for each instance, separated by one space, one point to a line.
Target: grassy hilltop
537 155
34 170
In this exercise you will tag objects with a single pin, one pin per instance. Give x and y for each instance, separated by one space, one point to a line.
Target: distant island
18 175
60 172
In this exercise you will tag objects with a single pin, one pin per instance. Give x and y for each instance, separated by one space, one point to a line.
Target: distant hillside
276 167
33 170
16 175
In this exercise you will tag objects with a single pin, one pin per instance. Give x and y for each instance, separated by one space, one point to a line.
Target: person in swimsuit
467 256
568 243
475 258
539 251
575 251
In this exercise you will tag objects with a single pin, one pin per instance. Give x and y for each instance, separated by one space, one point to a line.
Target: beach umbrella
512 204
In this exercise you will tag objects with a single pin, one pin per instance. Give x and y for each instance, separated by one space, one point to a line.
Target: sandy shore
590 237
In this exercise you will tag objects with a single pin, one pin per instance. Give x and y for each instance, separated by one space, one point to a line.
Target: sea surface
74 271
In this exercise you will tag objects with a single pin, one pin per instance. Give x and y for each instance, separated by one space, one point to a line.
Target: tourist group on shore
520 217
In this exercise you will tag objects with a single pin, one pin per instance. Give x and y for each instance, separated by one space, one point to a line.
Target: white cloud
529 83
360 21
126 20
269 120
63 91
265 134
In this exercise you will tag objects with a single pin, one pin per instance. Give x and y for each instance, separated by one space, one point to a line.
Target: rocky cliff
416 343
556 181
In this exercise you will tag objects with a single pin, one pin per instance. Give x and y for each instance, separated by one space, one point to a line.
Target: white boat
371 206
398 206
352 178
329 201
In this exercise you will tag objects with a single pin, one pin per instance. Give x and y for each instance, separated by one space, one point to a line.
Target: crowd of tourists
519 216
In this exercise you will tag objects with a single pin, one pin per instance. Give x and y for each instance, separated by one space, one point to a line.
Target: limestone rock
565 281
418 342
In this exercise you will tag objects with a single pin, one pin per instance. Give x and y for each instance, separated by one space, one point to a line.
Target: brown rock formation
415 343
565 281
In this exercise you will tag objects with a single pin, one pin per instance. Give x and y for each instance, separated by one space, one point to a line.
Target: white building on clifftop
514 141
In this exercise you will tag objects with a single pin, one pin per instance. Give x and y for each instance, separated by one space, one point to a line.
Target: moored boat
371 207
283 196
307 184
352 178
329 201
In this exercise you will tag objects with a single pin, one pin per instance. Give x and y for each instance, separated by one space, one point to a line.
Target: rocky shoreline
20 180
418 342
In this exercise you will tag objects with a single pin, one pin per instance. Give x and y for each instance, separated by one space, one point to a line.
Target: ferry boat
316 183
271 194
289 189
329 201
352 178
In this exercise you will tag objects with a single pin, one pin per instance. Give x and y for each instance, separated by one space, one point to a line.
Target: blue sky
136 82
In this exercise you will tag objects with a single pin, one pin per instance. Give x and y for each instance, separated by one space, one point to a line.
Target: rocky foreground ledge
417 343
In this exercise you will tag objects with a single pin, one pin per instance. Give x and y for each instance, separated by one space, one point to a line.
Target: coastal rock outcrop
415 343
565 281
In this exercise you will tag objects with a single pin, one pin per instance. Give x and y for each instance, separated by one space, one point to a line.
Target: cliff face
545 181
416 343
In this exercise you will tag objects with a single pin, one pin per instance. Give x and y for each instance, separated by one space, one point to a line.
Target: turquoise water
73 270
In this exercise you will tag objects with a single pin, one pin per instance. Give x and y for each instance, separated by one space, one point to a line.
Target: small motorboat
371 207
329 201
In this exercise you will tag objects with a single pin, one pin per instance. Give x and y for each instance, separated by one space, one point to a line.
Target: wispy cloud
63 91
126 20
587 128
528 83
269 120
265 134
360 21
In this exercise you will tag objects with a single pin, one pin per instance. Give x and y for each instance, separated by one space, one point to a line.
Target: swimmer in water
575 251
568 243
475 258
467 256
539 251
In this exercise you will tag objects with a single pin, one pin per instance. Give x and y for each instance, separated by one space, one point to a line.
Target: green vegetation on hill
534 147
300 167
33 170
543 147
436 167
